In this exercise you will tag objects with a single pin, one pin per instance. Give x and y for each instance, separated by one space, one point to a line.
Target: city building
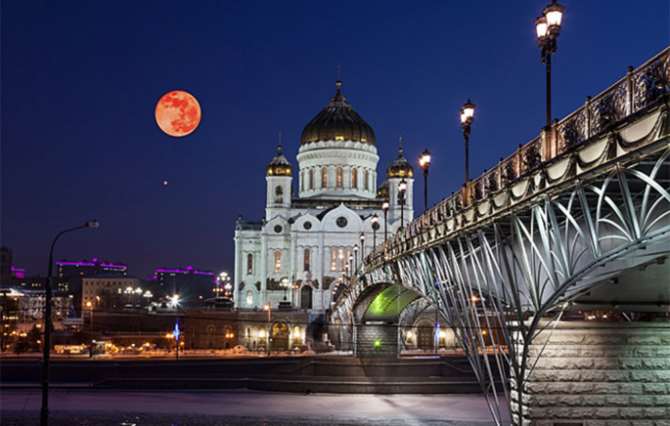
113 293
308 240
192 285
70 273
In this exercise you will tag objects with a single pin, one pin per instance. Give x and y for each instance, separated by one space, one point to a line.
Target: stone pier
600 374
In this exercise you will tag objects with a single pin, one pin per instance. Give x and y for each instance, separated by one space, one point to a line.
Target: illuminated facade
304 243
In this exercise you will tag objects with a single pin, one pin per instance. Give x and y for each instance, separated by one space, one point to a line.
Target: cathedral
312 236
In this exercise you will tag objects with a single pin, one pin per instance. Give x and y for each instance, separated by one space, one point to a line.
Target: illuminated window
333 259
311 180
250 264
324 177
306 260
366 180
250 300
338 177
277 261
354 178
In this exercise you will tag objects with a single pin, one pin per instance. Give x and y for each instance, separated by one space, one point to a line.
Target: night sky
80 80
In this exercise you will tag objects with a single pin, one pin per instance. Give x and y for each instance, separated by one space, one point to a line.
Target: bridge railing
640 89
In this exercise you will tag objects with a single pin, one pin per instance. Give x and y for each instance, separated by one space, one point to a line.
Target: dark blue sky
80 80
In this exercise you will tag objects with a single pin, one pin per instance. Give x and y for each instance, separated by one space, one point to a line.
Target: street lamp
424 163
44 412
467 117
89 306
362 247
402 188
355 258
385 207
547 28
268 307
375 226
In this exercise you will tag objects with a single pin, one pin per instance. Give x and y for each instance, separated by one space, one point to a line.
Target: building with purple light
89 267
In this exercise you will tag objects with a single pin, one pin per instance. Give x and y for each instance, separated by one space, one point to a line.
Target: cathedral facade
311 237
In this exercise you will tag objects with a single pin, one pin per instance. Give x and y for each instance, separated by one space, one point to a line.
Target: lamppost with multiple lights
424 163
467 117
44 412
402 189
547 28
375 226
385 208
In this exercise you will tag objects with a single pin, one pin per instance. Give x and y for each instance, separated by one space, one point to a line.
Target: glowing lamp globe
178 113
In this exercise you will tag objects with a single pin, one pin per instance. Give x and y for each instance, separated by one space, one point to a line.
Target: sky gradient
80 81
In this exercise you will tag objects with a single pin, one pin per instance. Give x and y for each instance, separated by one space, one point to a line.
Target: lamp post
268 307
424 163
89 305
362 247
402 188
350 265
547 28
467 117
375 225
385 207
355 258
44 412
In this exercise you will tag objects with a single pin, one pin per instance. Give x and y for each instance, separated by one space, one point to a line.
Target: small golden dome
400 168
279 166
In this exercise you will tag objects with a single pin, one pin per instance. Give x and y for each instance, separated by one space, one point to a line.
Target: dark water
13 418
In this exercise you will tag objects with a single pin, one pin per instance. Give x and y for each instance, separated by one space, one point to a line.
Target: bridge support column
599 374
376 339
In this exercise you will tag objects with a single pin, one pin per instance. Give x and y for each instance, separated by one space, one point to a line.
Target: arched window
311 179
339 177
354 178
250 264
250 301
324 177
306 260
279 194
366 180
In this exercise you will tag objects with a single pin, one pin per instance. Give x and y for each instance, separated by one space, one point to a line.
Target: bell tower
278 181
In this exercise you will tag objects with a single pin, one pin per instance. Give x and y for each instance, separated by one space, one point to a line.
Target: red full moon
178 113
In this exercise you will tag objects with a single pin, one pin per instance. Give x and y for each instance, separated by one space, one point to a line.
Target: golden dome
338 122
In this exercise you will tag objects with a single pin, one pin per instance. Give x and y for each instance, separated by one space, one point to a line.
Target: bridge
574 222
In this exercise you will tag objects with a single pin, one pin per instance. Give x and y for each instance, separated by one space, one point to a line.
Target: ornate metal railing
640 89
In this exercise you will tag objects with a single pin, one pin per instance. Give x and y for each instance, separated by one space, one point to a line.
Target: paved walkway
238 408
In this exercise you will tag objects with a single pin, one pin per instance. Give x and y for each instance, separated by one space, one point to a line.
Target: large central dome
338 122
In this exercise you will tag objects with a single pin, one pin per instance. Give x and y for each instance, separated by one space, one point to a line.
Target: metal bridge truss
503 283
505 256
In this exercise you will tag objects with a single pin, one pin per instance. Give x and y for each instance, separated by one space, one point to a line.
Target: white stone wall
601 374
